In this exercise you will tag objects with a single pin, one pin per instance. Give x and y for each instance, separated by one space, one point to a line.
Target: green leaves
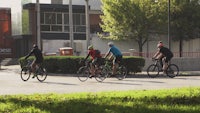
136 19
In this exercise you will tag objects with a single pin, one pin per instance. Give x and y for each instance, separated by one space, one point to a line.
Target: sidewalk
17 68
181 73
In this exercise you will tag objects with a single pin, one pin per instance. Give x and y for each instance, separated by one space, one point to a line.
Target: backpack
97 53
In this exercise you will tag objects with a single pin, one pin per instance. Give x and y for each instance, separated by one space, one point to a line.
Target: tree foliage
185 18
136 19
131 19
25 22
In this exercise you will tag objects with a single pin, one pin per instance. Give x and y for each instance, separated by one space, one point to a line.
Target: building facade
55 26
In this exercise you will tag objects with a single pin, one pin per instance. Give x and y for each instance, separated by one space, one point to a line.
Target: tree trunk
140 48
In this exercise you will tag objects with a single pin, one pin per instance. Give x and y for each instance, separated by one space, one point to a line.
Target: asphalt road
11 83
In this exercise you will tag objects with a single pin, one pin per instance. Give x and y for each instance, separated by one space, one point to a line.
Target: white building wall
52 46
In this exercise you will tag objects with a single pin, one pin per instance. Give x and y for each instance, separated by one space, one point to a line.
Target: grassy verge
183 100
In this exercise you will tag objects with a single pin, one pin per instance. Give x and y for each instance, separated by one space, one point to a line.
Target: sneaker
34 75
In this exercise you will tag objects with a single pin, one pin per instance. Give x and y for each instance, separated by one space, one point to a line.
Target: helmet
159 45
90 47
110 43
35 46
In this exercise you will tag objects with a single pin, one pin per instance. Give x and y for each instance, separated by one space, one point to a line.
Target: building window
59 22
79 22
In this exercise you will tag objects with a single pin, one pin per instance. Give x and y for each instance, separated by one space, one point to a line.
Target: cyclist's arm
156 54
106 55
86 57
29 54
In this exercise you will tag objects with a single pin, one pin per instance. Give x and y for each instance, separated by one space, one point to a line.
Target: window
59 18
42 18
50 18
59 22
66 19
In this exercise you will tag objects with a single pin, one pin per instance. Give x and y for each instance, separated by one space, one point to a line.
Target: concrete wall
184 64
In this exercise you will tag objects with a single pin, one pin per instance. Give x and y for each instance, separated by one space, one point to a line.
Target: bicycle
40 73
154 69
84 72
121 71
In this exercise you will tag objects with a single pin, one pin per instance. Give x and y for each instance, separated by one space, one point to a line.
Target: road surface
11 83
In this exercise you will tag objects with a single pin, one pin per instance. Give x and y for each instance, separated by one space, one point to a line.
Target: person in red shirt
95 58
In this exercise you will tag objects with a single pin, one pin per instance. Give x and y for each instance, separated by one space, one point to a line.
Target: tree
25 22
131 19
135 19
185 22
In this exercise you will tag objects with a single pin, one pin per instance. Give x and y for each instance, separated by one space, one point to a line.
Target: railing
176 54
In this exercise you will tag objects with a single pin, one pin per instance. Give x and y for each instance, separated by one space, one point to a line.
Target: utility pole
38 23
87 23
169 38
71 35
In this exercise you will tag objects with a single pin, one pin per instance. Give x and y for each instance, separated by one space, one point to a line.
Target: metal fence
176 54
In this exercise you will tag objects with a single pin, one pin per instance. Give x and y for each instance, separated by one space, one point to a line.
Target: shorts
117 59
38 61
168 58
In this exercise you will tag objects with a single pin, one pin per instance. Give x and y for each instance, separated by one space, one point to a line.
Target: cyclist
163 52
116 54
95 59
38 57
162 58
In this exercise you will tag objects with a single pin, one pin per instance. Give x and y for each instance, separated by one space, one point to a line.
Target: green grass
183 100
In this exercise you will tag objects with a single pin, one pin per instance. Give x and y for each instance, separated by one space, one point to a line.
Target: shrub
70 64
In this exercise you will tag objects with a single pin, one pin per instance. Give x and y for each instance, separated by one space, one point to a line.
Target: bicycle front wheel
41 74
83 73
101 73
153 71
172 70
121 72
25 73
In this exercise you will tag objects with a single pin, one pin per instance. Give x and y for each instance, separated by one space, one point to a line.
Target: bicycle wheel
172 70
83 73
25 73
41 74
153 71
121 72
101 73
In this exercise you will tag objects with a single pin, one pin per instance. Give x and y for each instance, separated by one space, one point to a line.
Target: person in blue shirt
116 54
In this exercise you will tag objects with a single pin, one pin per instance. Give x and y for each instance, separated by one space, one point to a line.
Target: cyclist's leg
116 62
162 59
166 63
92 67
98 62
33 66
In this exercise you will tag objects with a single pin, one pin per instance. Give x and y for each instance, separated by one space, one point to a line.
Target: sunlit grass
183 100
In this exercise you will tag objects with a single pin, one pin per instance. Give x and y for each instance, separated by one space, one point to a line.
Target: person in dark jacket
38 57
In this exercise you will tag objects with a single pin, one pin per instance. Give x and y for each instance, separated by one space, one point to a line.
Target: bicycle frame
40 72
84 72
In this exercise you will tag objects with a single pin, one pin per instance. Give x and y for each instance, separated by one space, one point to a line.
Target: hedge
70 64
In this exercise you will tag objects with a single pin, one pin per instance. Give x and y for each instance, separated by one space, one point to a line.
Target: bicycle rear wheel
121 72
153 71
101 73
41 74
83 73
25 73
172 70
